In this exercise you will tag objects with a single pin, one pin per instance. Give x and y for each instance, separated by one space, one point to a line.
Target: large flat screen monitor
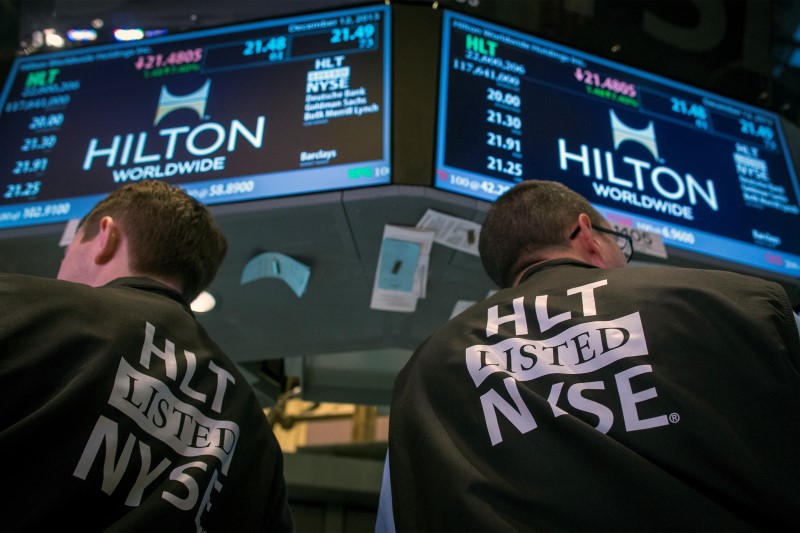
709 174
258 110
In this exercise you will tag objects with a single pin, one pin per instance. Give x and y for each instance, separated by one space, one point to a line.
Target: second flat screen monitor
709 174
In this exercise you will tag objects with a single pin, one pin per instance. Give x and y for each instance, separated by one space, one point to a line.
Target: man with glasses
585 396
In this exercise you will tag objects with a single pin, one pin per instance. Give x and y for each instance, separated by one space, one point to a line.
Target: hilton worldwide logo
168 102
623 178
646 136
176 150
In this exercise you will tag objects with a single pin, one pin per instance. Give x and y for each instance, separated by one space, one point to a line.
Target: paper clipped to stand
401 275
453 232
644 242
276 265
70 229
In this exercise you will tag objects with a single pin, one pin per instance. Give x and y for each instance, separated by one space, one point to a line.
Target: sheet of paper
398 266
70 229
461 306
277 265
401 275
453 232
644 242
649 243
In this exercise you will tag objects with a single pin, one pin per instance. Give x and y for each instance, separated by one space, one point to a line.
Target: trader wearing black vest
118 411
584 396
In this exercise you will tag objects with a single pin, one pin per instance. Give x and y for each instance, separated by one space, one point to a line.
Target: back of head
532 217
169 233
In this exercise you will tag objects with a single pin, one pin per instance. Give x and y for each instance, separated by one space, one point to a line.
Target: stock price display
707 173
258 110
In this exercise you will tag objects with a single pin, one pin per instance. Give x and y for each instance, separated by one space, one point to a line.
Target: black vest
590 399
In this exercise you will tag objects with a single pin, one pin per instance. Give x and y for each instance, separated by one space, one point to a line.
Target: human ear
586 236
587 243
108 241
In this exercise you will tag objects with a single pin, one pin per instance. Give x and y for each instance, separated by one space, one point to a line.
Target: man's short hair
170 233
533 216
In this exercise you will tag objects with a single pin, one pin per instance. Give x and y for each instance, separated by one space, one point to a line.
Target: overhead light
130 34
82 35
52 38
204 302
37 40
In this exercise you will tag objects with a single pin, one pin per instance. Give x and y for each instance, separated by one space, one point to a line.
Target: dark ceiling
745 49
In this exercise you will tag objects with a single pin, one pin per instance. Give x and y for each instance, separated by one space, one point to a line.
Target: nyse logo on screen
182 149
645 183
329 74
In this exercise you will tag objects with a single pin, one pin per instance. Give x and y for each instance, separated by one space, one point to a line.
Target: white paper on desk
453 232
649 243
70 229
463 305
401 275
644 242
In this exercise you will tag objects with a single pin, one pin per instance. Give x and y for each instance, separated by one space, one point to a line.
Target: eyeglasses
624 241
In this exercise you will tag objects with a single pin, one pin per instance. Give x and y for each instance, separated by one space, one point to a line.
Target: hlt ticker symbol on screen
483 46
